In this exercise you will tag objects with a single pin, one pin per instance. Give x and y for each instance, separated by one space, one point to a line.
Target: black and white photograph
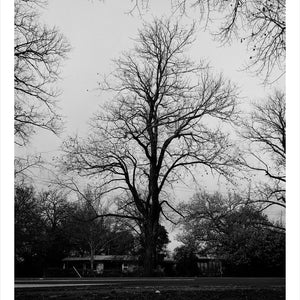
147 150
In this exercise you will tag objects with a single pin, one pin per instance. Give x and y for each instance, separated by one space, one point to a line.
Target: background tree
24 168
56 213
114 235
38 53
238 233
122 240
89 233
156 127
30 235
48 228
266 132
258 23
41 235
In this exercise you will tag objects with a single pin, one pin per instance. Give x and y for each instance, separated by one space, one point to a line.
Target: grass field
150 294
152 288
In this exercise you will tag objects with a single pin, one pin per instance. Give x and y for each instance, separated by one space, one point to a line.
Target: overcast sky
98 32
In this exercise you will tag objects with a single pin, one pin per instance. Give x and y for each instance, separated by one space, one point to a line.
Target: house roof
103 258
208 258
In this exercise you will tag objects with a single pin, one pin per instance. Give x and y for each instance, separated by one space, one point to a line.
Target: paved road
200 282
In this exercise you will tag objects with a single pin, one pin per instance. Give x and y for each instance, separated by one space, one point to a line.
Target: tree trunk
149 259
150 236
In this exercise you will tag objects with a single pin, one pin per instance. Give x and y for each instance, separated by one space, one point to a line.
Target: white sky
98 32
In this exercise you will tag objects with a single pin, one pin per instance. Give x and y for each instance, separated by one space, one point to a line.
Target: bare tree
258 23
157 126
92 221
230 228
266 133
93 232
24 167
54 207
38 53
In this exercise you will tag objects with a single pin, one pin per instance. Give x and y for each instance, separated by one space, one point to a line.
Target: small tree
157 126
89 233
54 207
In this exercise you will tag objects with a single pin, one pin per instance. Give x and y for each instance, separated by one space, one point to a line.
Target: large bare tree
38 53
266 132
163 121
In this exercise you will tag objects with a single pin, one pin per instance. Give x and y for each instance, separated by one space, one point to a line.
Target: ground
204 288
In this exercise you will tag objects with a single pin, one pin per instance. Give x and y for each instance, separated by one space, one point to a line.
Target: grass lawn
149 293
